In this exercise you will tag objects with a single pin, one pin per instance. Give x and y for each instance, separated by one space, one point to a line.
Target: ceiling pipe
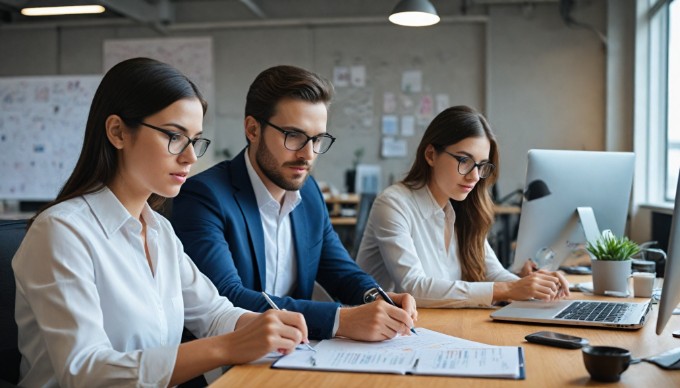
254 8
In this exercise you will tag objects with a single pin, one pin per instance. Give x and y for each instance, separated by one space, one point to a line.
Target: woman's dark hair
279 82
133 89
475 214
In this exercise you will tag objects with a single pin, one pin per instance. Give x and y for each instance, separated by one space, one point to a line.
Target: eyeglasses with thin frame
178 142
466 165
295 141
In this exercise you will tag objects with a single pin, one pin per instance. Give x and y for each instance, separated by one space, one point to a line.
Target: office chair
11 234
365 204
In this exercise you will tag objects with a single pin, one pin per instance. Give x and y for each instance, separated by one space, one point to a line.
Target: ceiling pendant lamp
414 13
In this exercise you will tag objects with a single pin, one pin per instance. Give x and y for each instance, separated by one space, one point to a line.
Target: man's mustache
298 164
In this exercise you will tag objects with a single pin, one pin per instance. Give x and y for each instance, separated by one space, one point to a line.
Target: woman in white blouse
103 285
426 235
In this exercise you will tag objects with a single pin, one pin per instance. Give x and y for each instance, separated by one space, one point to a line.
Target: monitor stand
588 223
563 246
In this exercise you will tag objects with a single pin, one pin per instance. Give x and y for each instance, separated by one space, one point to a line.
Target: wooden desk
545 366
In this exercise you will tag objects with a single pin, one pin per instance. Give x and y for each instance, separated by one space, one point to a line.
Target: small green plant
358 154
613 248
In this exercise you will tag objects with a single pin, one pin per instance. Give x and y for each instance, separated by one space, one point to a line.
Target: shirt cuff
229 323
336 324
156 366
480 293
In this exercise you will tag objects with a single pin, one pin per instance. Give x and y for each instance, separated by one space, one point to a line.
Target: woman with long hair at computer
426 235
104 288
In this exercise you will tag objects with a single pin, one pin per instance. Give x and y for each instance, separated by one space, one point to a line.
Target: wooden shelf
343 221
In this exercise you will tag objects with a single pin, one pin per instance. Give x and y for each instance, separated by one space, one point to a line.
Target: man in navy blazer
259 222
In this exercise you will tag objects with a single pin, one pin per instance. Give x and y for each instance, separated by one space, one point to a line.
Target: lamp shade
414 13
536 189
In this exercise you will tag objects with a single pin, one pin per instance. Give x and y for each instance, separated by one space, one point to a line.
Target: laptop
595 313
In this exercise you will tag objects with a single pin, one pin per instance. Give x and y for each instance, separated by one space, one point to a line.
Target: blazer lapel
298 220
245 198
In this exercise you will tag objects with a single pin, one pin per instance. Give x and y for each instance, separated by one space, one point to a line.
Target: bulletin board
42 123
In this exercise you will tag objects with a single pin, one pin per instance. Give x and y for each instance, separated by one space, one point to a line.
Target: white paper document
428 353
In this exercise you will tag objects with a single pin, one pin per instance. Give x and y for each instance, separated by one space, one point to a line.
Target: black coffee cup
606 363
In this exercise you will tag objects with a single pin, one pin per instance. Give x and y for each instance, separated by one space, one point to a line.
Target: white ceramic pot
611 276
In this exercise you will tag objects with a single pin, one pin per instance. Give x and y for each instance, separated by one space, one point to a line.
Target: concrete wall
541 83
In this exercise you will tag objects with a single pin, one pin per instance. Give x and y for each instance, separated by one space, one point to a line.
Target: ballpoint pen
275 307
390 301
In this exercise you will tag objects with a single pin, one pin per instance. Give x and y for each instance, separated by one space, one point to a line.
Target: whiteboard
193 56
42 123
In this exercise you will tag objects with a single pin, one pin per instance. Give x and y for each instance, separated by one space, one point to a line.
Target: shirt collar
263 197
112 215
428 205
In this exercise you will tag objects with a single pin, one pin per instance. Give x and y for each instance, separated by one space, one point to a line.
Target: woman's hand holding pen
258 334
376 321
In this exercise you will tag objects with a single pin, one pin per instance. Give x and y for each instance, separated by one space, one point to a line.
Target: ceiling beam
269 23
159 12
14 3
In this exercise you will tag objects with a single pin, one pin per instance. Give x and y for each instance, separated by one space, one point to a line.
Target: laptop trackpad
533 309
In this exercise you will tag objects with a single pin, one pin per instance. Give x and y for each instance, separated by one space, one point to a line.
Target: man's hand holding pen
379 320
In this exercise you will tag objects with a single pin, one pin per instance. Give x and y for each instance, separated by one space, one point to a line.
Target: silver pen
275 307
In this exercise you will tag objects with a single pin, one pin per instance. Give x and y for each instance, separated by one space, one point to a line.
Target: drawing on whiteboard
42 122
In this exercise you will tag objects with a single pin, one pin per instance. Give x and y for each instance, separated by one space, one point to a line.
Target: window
657 150
672 106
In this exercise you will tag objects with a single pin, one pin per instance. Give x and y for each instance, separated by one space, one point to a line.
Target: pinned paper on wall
358 76
442 102
341 76
390 125
425 110
393 148
408 125
389 102
411 81
354 108
406 102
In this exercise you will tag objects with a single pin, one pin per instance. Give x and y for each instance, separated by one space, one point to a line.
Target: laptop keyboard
595 311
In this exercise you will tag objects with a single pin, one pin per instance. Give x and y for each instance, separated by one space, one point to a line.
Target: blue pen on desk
390 301
275 307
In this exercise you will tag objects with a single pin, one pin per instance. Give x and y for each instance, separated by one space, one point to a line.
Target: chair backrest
365 204
11 234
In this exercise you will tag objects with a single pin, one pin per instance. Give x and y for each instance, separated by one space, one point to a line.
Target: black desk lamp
536 189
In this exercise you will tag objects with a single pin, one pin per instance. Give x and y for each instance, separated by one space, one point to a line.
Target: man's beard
269 167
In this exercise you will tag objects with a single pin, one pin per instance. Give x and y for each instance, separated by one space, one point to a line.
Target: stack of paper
428 353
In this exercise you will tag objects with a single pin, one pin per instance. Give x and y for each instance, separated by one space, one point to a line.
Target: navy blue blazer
217 218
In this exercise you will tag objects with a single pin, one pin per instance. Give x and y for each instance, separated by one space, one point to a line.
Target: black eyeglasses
466 165
178 142
295 141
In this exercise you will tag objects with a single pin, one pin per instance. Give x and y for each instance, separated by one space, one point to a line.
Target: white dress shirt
281 269
403 249
281 259
89 309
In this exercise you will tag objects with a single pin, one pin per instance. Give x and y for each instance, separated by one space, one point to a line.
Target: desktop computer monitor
670 293
570 196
